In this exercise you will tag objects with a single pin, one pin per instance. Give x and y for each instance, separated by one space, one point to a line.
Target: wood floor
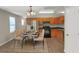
51 45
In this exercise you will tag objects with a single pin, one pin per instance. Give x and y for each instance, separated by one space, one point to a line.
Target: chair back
41 36
42 33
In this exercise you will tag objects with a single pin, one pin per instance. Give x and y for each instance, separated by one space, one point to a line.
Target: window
12 23
22 22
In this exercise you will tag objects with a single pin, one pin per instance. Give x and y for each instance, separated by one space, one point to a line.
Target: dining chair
40 38
18 38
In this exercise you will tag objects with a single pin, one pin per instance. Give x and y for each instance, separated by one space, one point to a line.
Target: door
71 30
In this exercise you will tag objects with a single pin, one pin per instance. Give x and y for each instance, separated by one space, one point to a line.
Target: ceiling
21 10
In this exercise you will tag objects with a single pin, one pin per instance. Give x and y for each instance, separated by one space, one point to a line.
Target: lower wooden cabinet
58 35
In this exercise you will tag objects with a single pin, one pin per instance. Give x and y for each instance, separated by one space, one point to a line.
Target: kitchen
47 21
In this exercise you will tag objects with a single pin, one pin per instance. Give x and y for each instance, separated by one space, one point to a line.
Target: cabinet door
55 20
52 20
61 20
72 29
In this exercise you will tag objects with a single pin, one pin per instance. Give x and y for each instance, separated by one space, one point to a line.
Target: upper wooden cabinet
52 20
61 20
57 20
41 19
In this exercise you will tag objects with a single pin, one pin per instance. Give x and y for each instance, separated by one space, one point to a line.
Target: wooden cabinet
58 35
61 20
57 20
52 20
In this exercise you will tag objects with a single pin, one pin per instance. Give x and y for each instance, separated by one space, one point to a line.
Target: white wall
72 29
5 35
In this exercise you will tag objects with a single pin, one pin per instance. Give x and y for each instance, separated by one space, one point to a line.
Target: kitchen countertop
58 28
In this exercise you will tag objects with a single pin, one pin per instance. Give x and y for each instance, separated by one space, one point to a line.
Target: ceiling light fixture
62 12
30 12
46 11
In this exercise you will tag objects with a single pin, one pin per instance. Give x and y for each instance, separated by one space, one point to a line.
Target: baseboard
6 42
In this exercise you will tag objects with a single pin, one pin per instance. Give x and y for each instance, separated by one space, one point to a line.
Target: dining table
29 36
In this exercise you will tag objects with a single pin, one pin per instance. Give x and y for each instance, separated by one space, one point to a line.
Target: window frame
12 26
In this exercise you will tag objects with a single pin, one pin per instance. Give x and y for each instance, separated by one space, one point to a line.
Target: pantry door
71 30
